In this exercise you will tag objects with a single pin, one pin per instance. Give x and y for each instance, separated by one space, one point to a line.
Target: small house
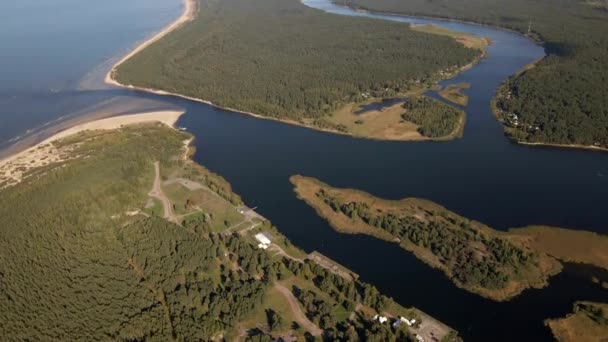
381 319
262 239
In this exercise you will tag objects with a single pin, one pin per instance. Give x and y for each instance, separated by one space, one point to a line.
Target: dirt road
298 315
157 192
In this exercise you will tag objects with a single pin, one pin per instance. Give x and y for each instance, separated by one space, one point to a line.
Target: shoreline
541 144
498 118
189 12
511 290
446 19
524 69
568 146
190 9
43 153
454 135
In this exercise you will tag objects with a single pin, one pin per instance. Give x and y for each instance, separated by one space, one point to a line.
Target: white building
402 320
380 319
262 239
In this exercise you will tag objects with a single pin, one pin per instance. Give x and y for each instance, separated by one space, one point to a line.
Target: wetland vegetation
494 264
587 323
415 117
453 93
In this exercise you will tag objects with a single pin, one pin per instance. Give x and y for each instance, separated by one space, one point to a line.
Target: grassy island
123 237
495 264
282 60
453 93
588 323
476 257
561 99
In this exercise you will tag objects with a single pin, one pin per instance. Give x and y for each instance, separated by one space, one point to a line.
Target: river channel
482 176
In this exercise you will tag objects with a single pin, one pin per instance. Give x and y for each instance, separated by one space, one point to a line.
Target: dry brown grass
465 39
385 124
579 327
566 244
306 188
453 93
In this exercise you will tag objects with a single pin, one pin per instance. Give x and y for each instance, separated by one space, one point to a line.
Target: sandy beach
44 153
14 166
572 146
188 14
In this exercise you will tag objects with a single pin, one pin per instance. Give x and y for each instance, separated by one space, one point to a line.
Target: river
482 176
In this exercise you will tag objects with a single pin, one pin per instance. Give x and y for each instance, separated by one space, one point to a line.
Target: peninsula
110 231
494 264
232 55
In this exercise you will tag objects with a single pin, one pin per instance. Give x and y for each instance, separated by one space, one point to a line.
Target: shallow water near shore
53 52
482 176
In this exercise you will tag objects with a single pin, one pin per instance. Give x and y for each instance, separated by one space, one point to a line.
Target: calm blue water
54 51
481 176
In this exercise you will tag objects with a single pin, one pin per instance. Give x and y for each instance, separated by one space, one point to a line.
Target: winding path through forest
157 192
298 315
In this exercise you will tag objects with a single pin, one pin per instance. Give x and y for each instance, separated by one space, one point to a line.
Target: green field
281 59
565 93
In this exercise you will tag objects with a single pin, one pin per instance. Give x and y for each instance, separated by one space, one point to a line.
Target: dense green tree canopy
75 265
564 94
435 118
282 59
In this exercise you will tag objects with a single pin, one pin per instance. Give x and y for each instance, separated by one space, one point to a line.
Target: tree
275 321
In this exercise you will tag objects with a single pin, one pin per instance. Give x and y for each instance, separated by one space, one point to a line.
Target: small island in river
494 264
453 93
588 323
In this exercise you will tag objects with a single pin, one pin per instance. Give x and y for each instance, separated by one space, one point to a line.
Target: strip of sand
188 14
44 153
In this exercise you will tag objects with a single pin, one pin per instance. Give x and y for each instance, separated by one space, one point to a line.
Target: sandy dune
44 153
